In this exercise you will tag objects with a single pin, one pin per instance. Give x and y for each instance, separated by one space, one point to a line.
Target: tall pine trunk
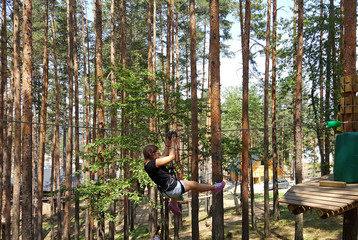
298 115
2 95
245 26
112 167
100 100
69 143
194 122
320 131
266 125
77 122
55 172
43 119
6 159
17 131
152 222
350 220
216 147
27 227
87 111
276 210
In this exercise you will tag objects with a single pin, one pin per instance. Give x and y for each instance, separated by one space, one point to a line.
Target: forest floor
314 227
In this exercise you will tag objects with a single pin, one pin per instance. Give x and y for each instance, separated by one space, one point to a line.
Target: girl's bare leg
192 185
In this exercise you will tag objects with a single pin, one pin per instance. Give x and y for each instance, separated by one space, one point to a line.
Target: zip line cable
145 132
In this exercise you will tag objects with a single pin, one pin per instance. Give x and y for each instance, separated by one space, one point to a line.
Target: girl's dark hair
149 150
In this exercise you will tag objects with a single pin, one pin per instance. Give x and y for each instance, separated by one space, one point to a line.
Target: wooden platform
328 201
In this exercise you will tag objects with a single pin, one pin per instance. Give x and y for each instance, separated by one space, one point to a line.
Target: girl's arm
167 159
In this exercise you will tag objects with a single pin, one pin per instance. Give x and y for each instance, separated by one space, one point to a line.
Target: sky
231 68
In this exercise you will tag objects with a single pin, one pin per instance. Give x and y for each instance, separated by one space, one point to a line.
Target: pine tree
266 124
43 120
194 122
245 26
298 115
27 228
216 147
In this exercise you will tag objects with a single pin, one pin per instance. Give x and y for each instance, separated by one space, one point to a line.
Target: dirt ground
314 227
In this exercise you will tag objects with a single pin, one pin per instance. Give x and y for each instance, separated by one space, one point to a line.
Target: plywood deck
310 194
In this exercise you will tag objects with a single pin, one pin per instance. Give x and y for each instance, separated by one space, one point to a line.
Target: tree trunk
320 131
6 128
2 95
168 63
216 147
266 125
194 123
87 111
77 123
154 64
245 26
350 220
43 119
69 144
252 196
177 55
17 130
152 222
8 158
112 170
172 33
100 97
327 107
298 115
276 210
27 228
56 138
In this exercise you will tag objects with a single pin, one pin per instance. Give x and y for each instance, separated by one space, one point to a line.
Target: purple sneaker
218 187
174 208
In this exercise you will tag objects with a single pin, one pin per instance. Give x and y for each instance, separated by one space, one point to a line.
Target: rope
160 133
180 174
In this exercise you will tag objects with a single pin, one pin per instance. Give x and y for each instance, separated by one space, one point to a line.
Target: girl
168 185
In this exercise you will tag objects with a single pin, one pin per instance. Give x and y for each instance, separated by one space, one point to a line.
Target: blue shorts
176 192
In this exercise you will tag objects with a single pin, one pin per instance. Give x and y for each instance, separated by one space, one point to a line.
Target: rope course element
180 172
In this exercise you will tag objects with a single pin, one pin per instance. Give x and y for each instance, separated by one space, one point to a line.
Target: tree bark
87 111
276 210
216 147
100 98
55 172
194 122
77 123
2 95
7 158
320 131
245 26
17 135
69 144
6 129
154 64
350 220
112 170
27 228
43 119
152 222
327 107
298 115
266 125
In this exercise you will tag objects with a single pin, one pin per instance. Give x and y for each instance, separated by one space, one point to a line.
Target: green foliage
137 110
